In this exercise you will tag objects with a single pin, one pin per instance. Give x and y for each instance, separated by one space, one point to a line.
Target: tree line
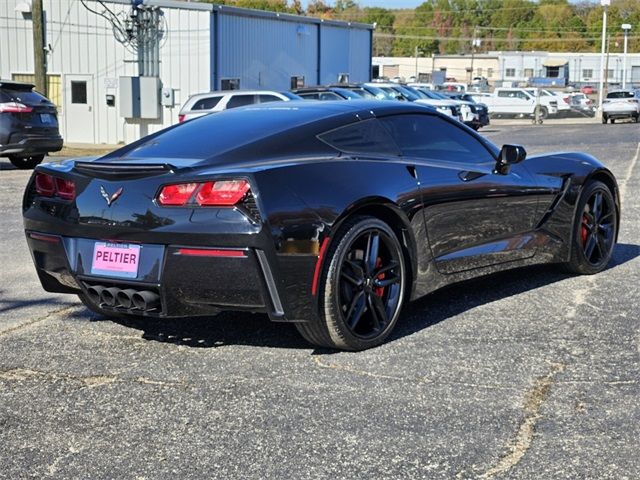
460 26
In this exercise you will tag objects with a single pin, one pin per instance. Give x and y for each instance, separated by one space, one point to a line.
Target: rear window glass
620 95
27 97
206 103
212 135
367 137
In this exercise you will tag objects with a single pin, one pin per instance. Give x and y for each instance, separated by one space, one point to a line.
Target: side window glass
267 98
367 137
206 103
430 137
240 101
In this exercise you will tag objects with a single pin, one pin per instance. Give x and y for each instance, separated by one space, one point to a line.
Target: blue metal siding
345 50
264 53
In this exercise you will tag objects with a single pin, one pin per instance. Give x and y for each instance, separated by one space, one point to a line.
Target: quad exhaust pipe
129 298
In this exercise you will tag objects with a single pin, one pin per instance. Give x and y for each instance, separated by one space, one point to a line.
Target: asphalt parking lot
529 374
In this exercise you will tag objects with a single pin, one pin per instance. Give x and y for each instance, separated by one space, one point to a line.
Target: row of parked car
459 106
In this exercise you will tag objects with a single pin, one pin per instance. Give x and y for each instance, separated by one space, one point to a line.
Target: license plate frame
120 260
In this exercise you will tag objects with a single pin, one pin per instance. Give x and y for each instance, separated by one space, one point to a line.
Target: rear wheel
604 119
594 230
544 113
25 163
362 287
613 120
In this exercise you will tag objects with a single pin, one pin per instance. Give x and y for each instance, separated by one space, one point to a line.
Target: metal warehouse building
201 47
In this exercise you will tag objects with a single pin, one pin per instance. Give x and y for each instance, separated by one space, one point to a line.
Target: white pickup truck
516 102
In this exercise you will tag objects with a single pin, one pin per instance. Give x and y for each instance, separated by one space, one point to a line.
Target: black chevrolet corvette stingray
329 215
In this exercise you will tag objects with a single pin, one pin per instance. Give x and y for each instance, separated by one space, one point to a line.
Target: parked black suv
28 124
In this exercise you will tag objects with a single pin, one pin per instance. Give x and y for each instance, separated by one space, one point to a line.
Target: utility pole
606 66
626 27
39 56
605 4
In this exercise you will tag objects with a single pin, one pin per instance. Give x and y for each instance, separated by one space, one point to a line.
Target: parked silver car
205 103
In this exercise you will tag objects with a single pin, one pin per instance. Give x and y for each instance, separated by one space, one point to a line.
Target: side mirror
509 155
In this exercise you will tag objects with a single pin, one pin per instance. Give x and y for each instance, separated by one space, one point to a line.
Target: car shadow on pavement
240 328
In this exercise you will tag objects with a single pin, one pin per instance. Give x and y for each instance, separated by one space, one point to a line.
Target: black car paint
24 134
455 221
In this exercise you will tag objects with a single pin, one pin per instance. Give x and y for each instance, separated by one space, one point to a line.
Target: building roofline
247 12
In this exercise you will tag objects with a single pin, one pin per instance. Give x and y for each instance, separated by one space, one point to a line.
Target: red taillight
14 107
45 185
49 186
222 193
66 189
566 100
181 118
179 194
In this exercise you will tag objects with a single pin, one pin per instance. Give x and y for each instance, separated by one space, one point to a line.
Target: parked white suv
205 103
621 104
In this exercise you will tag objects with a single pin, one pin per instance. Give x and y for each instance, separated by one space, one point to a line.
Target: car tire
544 113
613 120
636 118
26 163
594 230
604 119
362 287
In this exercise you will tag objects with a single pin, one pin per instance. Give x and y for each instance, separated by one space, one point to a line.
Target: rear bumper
189 281
31 145
620 112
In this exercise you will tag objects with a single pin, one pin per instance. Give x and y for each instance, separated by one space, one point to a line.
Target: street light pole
626 27
605 4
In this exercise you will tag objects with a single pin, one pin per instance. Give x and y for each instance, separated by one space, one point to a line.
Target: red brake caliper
379 291
584 232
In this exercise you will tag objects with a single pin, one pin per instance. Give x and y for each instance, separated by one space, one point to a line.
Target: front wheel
25 163
362 287
595 228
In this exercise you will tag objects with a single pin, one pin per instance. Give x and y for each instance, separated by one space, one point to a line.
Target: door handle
412 170
467 176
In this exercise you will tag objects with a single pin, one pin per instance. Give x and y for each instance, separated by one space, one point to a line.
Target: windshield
378 93
408 94
348 94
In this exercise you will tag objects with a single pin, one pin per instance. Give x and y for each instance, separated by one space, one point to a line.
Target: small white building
203 47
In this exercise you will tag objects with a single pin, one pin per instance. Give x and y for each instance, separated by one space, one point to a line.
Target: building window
528 72
587 73
230 84
79 92
480 71
297 81
489 72
610 74
510 72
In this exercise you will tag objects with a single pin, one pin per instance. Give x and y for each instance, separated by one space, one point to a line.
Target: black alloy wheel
363 287
369 283
595 230
26 163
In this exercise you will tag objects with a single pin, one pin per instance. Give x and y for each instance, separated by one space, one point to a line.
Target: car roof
276 122
234 92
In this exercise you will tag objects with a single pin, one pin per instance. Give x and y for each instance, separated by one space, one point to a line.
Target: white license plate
115 259
47 118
